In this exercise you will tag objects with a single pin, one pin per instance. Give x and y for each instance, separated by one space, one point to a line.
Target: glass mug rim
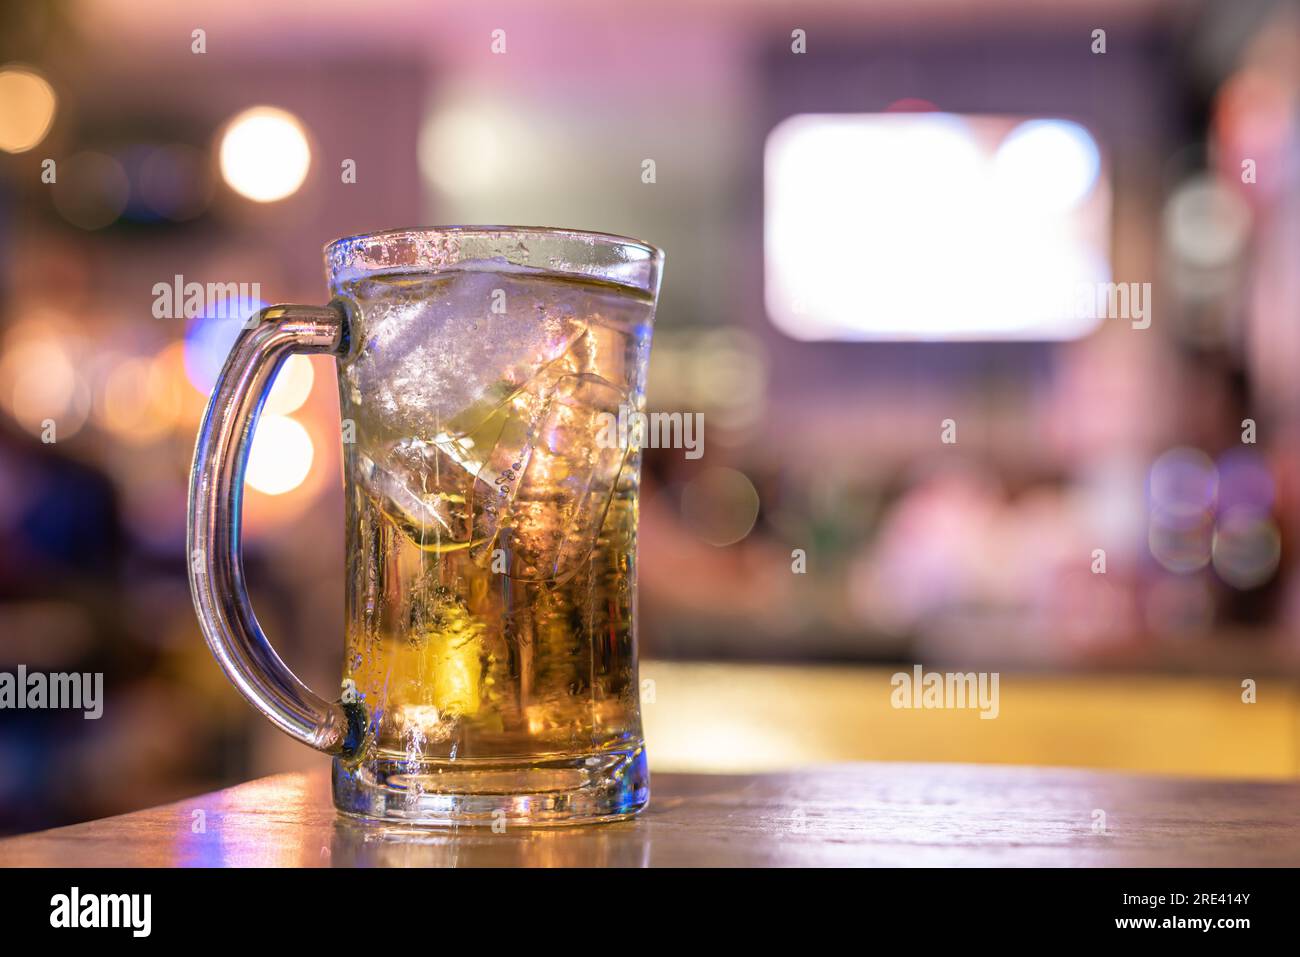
621 260
592 235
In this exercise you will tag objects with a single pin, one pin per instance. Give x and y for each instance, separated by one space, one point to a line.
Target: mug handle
215 554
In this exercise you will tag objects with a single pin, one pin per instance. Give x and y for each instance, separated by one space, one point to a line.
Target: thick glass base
550 792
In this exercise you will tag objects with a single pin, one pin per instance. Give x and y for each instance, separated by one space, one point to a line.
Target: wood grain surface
841 815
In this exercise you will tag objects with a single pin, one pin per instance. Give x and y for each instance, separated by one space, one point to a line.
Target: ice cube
439 351
433 516
550 511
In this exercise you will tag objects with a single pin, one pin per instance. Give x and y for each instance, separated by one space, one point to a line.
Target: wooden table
854 814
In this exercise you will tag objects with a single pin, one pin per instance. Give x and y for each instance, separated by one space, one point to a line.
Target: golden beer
491 533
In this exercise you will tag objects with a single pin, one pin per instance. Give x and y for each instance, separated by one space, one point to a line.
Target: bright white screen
933 226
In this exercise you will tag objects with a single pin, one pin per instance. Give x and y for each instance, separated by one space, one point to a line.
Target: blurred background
876 217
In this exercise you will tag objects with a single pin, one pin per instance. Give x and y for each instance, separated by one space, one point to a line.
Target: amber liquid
491 534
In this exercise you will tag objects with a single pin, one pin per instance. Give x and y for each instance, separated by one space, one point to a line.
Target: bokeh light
1206 224
92 190
1184 548
281 456
39 385
1253 116
174 381
1245 480
291 387
264 154
1050 163
1182 489
720 505
1247 548
138 402
462 149
728 376
912 104
208 341
27 106
1183 485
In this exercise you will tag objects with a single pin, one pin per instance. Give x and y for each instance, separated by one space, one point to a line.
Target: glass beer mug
490 669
